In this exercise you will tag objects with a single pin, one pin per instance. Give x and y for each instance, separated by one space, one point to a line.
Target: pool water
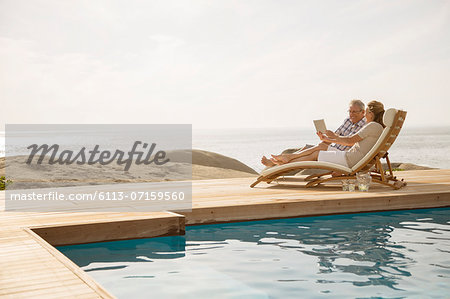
403 254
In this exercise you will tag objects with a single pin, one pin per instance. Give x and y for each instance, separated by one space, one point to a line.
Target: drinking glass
351 185
344 185
364 179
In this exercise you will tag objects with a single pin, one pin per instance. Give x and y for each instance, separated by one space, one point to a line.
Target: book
320 125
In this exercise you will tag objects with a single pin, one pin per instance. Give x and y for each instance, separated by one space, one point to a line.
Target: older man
350 126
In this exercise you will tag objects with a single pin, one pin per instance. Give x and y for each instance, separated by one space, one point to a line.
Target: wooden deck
31 267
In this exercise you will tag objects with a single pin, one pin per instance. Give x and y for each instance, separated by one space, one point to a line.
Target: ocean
423 146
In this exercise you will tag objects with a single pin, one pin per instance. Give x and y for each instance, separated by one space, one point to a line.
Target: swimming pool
382 255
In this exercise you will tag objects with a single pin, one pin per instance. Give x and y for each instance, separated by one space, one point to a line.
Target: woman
361 142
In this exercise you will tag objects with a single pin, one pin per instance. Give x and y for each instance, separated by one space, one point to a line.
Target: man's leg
304 148
291 150
296 150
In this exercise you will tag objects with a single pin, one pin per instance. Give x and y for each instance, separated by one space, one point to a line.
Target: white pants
333 155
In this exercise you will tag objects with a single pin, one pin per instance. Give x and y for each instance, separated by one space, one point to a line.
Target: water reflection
353 244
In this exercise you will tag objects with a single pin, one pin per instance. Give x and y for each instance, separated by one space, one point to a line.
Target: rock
2 166
313 171
409 166
210 159
200 172
405 166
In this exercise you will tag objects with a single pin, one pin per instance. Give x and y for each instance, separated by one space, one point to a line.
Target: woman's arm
344 140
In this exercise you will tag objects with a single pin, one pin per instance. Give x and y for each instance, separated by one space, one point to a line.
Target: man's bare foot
267 162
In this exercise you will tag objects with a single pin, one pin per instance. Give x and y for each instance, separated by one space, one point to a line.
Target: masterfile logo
93 156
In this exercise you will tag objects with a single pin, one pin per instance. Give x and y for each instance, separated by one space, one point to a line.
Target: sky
222 64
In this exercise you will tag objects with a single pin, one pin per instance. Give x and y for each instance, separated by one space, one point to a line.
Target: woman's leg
311 157
285 158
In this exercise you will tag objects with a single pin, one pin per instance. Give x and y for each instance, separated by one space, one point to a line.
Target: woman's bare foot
277 162
280 159
267 162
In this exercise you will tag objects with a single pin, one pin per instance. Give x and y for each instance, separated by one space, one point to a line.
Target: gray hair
358 103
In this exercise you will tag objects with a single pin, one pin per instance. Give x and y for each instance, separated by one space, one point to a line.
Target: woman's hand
330 134
323 137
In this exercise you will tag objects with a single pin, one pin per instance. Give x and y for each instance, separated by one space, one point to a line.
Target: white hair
358 103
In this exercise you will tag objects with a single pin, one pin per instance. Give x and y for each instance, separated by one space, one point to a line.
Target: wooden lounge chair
371 162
